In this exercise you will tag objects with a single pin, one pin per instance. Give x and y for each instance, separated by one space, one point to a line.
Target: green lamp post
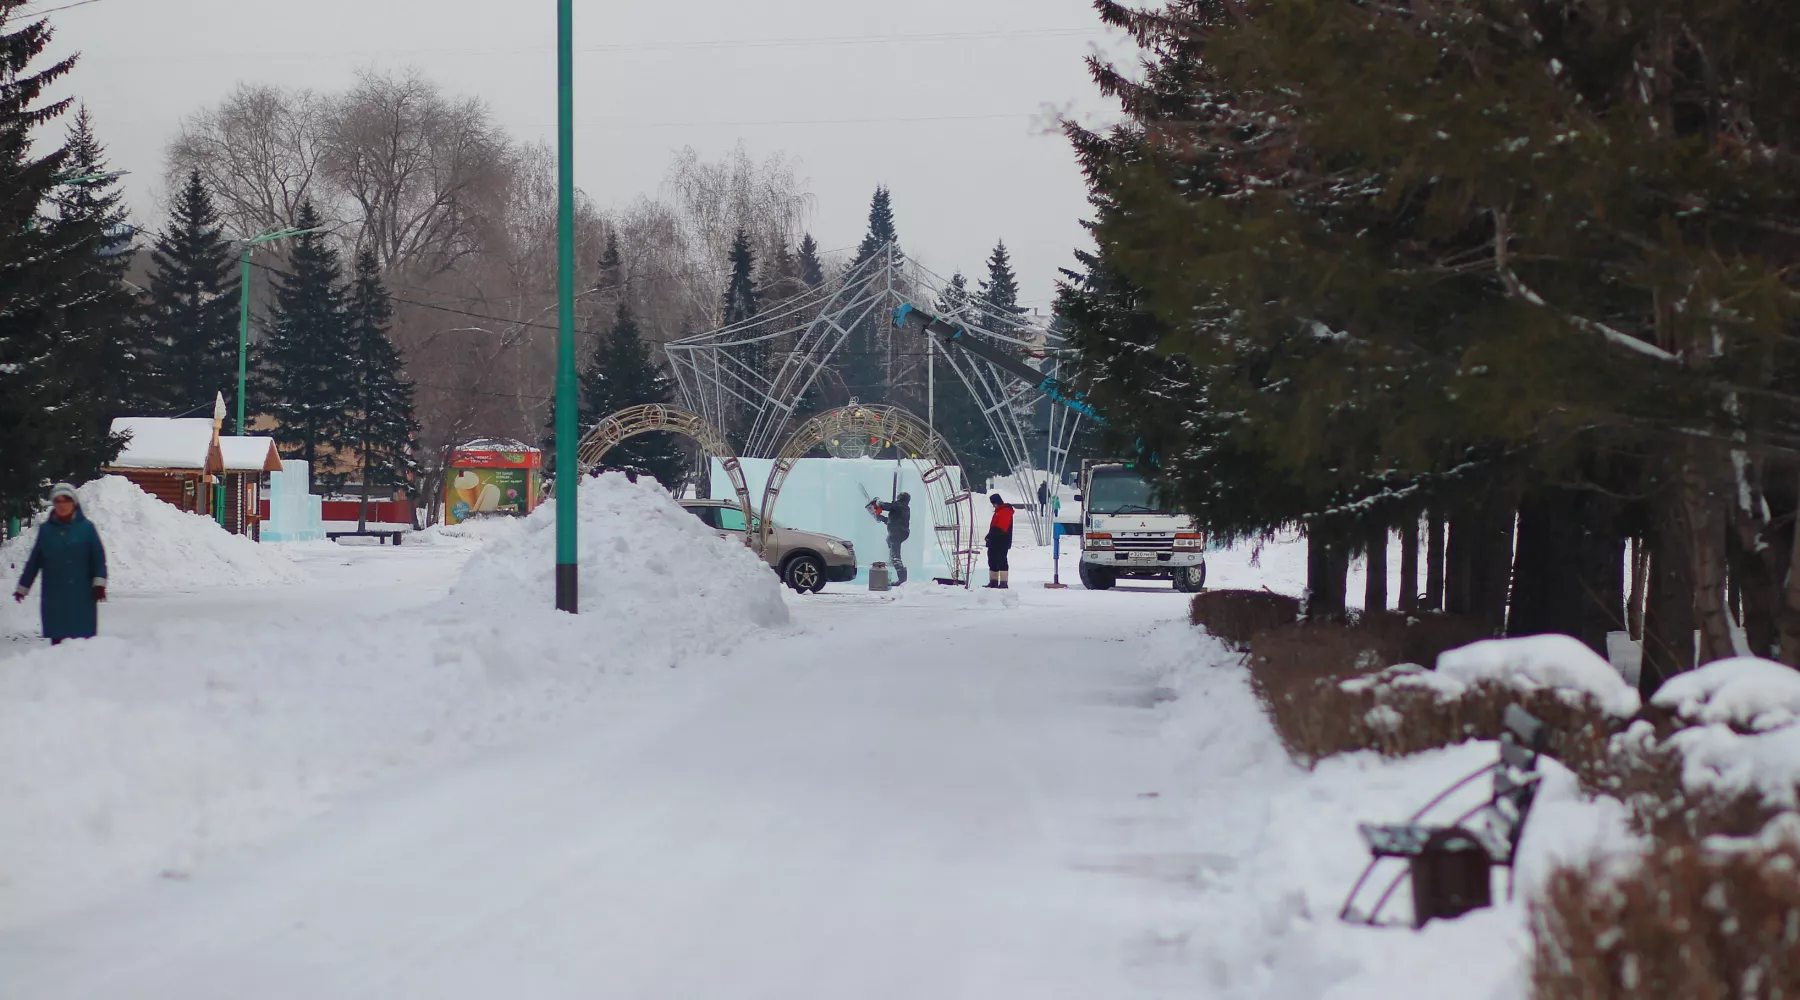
250 246
568 479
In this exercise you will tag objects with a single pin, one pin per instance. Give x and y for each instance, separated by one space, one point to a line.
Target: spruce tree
189 332
95 341
997 302
381 403
812 270
622 373
305 369
865 352
742 304
48 423
959 419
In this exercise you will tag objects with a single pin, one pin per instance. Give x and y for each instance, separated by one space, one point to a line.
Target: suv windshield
1120 490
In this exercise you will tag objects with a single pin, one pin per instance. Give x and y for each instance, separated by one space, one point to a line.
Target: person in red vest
999 542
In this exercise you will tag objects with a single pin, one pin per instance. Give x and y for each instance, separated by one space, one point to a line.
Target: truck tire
805 573
1097 578
1191 579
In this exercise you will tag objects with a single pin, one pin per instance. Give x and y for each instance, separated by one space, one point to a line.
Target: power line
894 120
52 10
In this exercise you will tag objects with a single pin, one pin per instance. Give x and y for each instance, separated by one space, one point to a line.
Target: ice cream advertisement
476 492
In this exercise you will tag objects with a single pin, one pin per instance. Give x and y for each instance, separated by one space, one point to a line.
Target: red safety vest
1003 518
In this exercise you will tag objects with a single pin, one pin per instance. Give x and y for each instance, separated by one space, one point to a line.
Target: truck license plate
1143 557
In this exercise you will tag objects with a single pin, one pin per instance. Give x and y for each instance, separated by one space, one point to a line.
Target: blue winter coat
73 562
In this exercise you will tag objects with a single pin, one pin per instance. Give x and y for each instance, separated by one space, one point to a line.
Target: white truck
1127 533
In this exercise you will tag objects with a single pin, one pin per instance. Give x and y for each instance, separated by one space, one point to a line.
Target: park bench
384 534
1450 865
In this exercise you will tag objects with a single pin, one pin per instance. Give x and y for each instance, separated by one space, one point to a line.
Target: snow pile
1715 757
122 760
641 557
1745 691
1539 662
151 545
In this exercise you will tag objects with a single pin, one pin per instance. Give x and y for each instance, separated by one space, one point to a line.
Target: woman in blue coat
69 554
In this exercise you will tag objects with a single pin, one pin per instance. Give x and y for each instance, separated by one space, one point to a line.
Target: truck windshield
1119 490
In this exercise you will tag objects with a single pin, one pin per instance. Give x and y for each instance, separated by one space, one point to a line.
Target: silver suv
805 560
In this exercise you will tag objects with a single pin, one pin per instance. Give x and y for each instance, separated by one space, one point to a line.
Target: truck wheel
1097 578
1191 579
804 573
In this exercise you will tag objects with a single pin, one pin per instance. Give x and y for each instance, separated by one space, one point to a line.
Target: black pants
894 559
997 558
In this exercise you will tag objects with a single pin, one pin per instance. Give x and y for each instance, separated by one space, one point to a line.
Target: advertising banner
472 492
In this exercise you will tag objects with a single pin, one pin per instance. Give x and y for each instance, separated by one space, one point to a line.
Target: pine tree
381 401
189 332
96 340
47 423
622 373
958 415
865 365
742 304
305 370
812 270
997 303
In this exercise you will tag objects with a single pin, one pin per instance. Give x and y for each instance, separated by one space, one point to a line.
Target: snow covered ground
403 778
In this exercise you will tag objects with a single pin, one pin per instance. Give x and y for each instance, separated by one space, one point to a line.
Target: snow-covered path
931 797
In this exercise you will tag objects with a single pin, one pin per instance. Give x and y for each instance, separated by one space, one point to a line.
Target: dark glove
99 593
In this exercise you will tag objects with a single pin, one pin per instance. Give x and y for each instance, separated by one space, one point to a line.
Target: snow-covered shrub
1234 616
1321 684
1684 920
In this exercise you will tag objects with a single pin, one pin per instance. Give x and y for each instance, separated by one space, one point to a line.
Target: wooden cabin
180 461
174 459
247 460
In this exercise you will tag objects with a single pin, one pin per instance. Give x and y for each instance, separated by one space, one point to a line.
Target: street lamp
568 478
244 336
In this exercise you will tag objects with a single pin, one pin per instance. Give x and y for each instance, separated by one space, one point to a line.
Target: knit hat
64 490
996 500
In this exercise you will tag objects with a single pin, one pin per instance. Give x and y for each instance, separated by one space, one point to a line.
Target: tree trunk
1434 560
1547 585
1669 602
1490 565
1602 572
1701 506
1409 562
1634 605
1327 572
1375 582
1459 557
1790 610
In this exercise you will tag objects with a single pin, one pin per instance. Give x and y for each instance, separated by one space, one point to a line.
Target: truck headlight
1102 541
1189 542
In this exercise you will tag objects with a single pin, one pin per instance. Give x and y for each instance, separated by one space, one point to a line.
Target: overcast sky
948 102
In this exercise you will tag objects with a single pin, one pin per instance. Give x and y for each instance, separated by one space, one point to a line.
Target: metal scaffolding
758 375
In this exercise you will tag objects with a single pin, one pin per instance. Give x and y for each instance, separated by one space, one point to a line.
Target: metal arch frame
635 420
915 440
717 383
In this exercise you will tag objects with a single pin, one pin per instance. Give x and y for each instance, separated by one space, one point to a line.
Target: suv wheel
805 573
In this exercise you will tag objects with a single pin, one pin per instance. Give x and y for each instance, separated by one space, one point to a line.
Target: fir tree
48 422
812 270
96 341
865 367
997 302
958 415
306 373
381 401
742 304
189 332
622 373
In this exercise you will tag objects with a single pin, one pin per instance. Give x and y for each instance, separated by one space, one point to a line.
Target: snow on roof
166 443
1742 691
496 444
250 454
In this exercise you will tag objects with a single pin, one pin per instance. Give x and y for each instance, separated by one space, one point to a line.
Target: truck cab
1127 532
